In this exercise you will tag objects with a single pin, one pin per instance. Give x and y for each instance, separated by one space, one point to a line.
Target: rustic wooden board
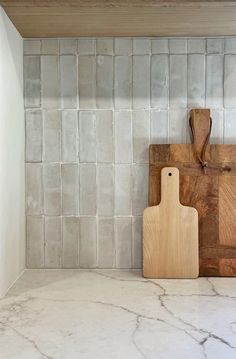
73 18
170 234
213 195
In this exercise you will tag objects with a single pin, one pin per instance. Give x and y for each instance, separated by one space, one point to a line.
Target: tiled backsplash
92 108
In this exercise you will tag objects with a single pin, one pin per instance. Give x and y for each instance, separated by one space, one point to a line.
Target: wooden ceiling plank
70 18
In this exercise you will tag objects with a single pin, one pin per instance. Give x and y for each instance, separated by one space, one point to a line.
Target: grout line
114 189
61 101
187 97
113 149
168 102
97 187
78 162
205 79
43 187
131 183
61 197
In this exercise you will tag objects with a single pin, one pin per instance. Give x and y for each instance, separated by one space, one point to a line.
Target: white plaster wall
12 143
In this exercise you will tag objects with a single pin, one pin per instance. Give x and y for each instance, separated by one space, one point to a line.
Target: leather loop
201 124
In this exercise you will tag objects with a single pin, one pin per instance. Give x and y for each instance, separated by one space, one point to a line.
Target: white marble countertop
60 314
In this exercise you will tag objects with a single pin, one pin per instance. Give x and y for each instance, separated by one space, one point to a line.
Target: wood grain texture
71 18
227 210
170 234
212 194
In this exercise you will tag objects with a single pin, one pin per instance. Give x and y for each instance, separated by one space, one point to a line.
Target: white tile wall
93 106
70 243
53 242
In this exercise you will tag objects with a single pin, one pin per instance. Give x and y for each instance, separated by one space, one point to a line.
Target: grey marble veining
117 314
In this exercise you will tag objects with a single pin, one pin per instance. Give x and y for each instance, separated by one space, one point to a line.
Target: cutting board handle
200 125
170 186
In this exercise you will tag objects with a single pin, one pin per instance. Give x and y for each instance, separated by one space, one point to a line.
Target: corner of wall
12 155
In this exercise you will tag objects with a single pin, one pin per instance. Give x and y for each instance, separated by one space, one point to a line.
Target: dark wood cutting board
213 194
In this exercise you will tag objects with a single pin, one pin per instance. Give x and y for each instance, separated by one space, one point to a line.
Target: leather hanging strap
200 125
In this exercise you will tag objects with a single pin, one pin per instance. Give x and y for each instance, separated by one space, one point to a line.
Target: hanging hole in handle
226 168
169 174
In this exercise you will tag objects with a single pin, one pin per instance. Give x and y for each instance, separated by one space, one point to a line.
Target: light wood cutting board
170 234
